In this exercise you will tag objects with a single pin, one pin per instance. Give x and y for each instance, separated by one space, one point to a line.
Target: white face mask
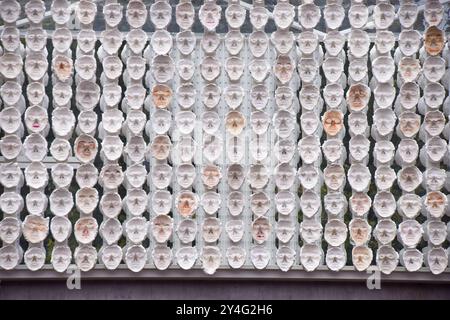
334 42
236 257
384 41
234 96
136 67
112 123
409 205
335 232
135 229
259 96
186 257
86 40
434 68
260 122
111 205
61 11
211 230
284 68
10 11
235 16
357 70
86 66
234 68
113 13
34 258
11 65
62 39
85 257
235 230
61 228
358 15
211 202
357 123
187 230
161 228
362 257
336 258
434 123
385 231
259 203
285 258
407 14
309 97
186 95
387 259
160 14
11 203
409 178
284 230
36 119
211 95
435 178
435 232
187 203
162 257
335 203
86 230
259 16
10 146
359 177
258 42
86 175
210 258
61 202
411 259
436 260
185 14
210 68
111 41
35 228
260 257
62 94
135 257
11 38
163 68
409 42
358 42
86 11
383 15
136 40
309 203
309 149
62 175
36 65
209 15
35 147
86 200
309 15
36 39
11 93
185 40
284 150
111 176
234 42
136 14
235 203
11 176
310 256
111 256
410 233
211 176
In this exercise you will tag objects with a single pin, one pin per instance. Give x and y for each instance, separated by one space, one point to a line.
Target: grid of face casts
296 148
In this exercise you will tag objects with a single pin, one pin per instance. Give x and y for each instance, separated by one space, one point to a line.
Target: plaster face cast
411 259
362 257
136 40
333 95
435 149
260 230
211 95
36 119
260 122
186 69
35 228
308 42
385 231
36 202
384 41
35 147
384 151
62 175
284 175
186 257
434 41
161 202
85 257
307 69
284 230
234 67
136 229
10 11
11 203
358 15
209 15
60 149
359 177
162 257
285 258
135 175
161 146
384 15
113 14
87 95
359 231
36 66
235 122
62 94
86 11
185 95
384 204
211 202
86 66
86 40
185 175
36 39
63 67
387 259
61 202
409 124
11 93
234 42
358 42
434 95
409 178
10 146
283 40
187 230
11 39
61 228
161 228
383 68
161 96
309 203
86 148
308 14
433 13
333 68
185 40
384 121
210 68
358 97
9 230
409 95
187 203
334 42
436 204
284 150
407 14
86 230
284 68
61 39
260 256
86 200
410 233
309 96
112 67
161 175
211 230
259 17
185 15
210 258
111 256
234 95
435 232
11 65
61 11
211 122
136 14
10 257
236 257
210 42
235 230
360 203
284 123
335 203
11 176
436 260
335 232
111 41
235 15
435 178
86 175
357 123
434 123
112 121
160 14
163 68
259 203
235 203
434 68
111 176
111 205
259 96
336 258
111 231
333 122
409 42
310 231
384 177
358 69
211 176
258 176
309 149
334 15
310 256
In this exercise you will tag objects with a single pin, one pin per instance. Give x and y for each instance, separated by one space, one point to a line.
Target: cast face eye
160 14
186 42
36 119
161 202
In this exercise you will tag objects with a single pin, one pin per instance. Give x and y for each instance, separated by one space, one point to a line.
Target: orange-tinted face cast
162 95
358 97
333 122
434 41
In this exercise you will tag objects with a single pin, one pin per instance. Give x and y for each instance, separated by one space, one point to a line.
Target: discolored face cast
358 97
409 68
362 257
35 228
436 203
434 41
261 230
62 67
383 15
86 148
360 203
333 122
86 230
359 231
85 257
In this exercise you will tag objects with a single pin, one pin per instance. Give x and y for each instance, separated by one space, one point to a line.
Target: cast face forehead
358 15
86 40
10 11
86 11
160 14
60 11
136 40
407 14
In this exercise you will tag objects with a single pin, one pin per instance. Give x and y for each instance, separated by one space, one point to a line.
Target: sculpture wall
294 148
